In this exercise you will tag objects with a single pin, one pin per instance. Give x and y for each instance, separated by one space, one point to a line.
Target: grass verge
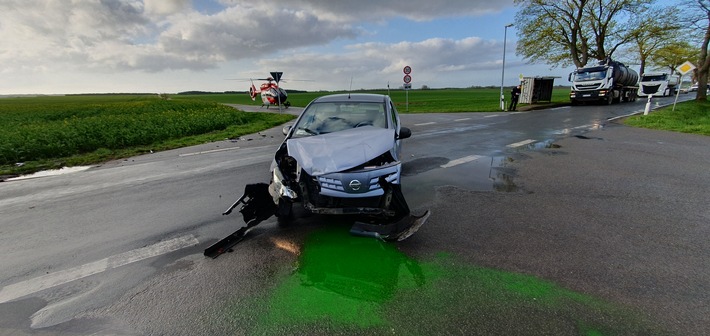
688 117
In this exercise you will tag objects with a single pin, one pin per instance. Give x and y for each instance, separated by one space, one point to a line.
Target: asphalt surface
620 213
616 213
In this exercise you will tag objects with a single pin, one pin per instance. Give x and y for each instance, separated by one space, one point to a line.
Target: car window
322 118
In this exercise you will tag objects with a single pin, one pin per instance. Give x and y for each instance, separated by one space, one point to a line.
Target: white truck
658 84
607 82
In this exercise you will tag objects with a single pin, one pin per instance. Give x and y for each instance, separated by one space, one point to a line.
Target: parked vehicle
607 82
658 84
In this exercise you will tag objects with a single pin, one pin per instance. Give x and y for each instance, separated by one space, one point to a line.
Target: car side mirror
404 133
286 129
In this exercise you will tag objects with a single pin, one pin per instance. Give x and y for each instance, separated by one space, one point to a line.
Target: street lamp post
502 75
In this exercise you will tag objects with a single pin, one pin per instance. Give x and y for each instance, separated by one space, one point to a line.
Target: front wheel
284 212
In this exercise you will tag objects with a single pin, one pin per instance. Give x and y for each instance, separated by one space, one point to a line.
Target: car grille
337 185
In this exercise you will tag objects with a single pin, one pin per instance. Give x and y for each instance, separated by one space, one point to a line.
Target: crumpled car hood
338 151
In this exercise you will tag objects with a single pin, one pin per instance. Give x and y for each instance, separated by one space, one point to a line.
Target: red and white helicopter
271 93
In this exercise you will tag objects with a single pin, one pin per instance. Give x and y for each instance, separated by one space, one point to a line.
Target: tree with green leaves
673 54
652 29
564 32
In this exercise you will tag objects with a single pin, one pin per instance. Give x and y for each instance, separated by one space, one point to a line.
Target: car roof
352 97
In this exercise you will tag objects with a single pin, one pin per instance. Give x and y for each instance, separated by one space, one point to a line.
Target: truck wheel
610 99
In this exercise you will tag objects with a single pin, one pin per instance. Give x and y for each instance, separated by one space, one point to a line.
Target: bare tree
701 22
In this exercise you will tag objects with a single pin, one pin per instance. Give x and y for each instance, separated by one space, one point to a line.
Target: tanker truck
607 82
658 84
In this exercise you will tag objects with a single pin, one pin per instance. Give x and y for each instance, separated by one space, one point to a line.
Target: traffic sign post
277 77
407 83
682 69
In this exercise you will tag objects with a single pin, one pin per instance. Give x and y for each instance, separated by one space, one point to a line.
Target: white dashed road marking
209 151
425 124
462 160
522 143
31 286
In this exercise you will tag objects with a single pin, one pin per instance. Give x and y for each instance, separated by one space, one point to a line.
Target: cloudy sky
98 46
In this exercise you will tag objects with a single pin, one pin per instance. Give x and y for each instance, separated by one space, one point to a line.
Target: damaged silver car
340 157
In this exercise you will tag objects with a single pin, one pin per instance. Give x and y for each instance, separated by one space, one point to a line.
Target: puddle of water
352 285
483 174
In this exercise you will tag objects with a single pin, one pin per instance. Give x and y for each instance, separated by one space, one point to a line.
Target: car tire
284 213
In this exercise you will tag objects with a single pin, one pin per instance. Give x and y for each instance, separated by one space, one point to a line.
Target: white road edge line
52 172
460 161
462 119
425 124
31 286
521 143
209 151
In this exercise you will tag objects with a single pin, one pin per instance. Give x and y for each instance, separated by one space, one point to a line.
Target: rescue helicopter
271 93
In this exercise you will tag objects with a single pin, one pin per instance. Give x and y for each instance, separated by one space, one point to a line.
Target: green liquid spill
354 285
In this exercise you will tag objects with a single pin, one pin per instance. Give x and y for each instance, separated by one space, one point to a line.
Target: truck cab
607 82
658 84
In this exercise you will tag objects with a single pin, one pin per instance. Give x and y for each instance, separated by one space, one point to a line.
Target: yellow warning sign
685 68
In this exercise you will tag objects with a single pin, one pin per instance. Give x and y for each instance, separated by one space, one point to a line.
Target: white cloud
160 39
165 7
375 10
435 62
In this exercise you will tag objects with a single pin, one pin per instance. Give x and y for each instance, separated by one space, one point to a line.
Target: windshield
589 75
322 118
653 78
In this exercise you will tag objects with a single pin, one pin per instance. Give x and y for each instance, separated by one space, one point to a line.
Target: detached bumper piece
404 224
257 206
397 231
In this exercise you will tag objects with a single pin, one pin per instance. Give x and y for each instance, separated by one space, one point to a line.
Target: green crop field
53 131
414 101
49 132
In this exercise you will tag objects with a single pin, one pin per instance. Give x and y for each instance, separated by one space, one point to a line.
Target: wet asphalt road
562 195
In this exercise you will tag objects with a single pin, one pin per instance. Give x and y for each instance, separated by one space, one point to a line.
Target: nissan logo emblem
355 185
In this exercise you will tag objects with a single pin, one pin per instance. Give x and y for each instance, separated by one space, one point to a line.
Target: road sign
407 70
685 67
407 79
407 86
276 76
